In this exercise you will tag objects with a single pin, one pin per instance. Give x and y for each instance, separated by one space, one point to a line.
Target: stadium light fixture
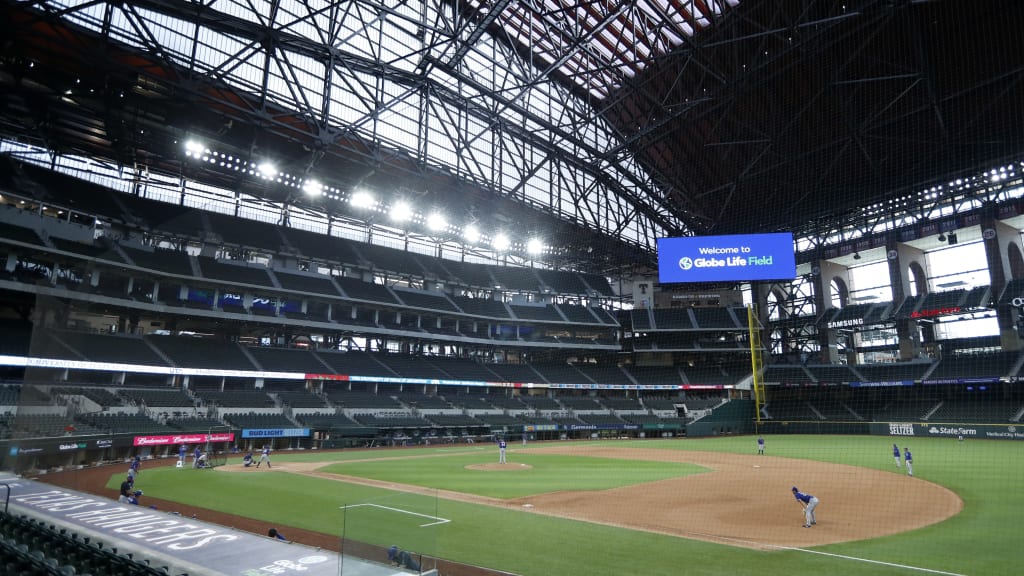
500 242
193 148
313 187
400 212
362 199
534 246
436 221
267 170
471 234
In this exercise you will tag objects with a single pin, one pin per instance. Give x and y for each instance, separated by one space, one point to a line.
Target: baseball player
181 455
760 445
501 450
264 456
196 455
896 454
909 459
809 503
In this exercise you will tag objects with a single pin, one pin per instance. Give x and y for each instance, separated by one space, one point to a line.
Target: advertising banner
726 258
275 433
965 431
182 439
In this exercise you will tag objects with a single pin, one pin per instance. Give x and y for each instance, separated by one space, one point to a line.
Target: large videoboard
726 258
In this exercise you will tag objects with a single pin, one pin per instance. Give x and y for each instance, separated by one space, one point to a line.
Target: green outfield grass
980 541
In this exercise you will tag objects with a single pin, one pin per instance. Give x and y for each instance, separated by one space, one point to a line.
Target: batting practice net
218 446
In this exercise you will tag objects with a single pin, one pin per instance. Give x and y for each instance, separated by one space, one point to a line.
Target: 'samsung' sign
724 258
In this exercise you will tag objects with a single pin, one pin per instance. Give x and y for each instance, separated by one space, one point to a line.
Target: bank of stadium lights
436 222
401 212
471 234
534 246
500 242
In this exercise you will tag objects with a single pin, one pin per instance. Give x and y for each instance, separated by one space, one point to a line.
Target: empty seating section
541 403
168 218
253 420
310 284
469 273
428 300
661 404
832 373
515 373
977 297
786 374
202 352
959 366
562 282
236 398
125 423
481 307
354 363
947 300
351 400
540 313
578 314
711 373
87 250
389 259
111 348
879 312
601 419
617 403
254 234
499 420
599 283
976 411
423 401
731 411
158 398
790 408
895 372
463 369
166 261
286 360
505 402
584 403
605 316
101 396
326 421
359 290
906 410
301 399
717 318
193 424
31 547
559 373
320 247
908 306
604 373
660 375
394 421
520 279
411 366
239 273
672 319
46 426
454 421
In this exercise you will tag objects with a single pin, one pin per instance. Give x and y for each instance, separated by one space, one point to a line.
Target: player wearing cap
809 503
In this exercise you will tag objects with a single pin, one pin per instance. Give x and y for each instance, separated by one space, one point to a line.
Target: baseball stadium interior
382 224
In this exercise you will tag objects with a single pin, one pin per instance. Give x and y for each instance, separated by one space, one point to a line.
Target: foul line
842 556
440 520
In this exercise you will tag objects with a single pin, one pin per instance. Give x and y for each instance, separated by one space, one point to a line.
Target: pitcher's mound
495 466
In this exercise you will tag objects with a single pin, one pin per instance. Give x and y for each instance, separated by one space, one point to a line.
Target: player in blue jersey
264 456
809 503
501 450
760 445
909 459
896 454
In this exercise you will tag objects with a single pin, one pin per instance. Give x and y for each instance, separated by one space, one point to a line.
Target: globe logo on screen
685 263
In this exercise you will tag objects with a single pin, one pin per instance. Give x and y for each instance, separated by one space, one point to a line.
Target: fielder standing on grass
501 450
809 503
909 459
760 445
896 454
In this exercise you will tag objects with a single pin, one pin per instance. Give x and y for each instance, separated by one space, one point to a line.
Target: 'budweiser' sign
183 439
